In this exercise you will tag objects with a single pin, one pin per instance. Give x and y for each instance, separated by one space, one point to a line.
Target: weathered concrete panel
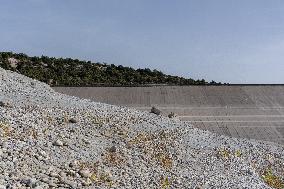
255 112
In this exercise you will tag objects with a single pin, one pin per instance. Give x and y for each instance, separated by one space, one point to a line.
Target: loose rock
155 110
85 173
72 120
58 143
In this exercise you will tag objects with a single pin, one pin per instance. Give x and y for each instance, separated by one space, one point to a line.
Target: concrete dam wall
255 112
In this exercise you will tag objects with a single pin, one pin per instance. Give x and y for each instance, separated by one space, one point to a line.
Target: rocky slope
50 140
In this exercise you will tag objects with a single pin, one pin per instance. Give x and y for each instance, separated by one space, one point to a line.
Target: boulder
172 115
72 120
156 111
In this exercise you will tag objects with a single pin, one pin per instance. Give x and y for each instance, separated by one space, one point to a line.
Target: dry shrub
223 153
6 129
113 158
155 146
272 180
165 183
102 178
166 161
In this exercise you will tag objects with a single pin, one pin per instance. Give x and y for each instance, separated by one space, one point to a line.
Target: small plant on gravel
34 133
165 160
105 178
94 177
165 183
49 119
155 146
121 132
98 121
238 153
6 129
223 153
226 153
45 130
272 180
141 138
113 157
102 178
65 118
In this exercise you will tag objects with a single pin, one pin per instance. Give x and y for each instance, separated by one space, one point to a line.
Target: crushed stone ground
51 140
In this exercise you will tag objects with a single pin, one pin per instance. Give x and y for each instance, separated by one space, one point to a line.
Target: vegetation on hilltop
73 72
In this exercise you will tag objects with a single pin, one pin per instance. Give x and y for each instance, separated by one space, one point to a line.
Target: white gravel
50 140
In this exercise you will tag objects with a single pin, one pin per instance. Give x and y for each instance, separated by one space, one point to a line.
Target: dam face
253 112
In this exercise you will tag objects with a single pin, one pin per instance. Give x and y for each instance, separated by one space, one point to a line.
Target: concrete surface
254 112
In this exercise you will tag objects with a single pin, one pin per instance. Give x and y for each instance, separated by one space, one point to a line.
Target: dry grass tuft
66 118
50 119
156 146
6 129
165 183
113 158
272 180
33 133
165 160
226 154
141 138
238 153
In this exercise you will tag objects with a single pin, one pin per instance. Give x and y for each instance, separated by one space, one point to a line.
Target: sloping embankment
239 111
50 140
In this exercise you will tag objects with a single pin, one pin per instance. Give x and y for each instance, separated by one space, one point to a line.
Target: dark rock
32 182
72 120
58 143
155 110
112 149
172 115
5 104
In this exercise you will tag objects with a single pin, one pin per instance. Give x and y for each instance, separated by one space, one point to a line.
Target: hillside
50 140
73 72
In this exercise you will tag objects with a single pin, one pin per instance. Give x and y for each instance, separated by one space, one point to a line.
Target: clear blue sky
236 41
